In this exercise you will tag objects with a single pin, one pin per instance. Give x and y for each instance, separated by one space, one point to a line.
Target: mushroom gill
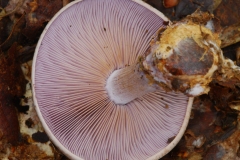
79 49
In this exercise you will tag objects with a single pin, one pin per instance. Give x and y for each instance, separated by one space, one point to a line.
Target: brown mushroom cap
80 47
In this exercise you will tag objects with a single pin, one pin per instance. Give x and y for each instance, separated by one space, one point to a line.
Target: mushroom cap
78 50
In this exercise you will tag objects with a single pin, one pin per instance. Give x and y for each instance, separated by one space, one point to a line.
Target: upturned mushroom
96 87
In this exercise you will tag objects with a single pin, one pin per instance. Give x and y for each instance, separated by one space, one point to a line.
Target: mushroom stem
127 84
184 59
180 61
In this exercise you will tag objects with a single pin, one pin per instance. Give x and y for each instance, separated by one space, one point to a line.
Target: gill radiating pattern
81 48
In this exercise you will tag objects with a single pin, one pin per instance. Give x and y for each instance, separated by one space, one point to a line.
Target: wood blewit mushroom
94 96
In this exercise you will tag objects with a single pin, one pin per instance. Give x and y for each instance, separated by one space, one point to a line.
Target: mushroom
91 92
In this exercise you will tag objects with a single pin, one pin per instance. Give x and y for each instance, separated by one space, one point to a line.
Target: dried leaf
12 85
228 12
38 14
230 35
15 33
5 25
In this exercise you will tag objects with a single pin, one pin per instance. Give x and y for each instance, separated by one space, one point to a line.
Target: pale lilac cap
78 50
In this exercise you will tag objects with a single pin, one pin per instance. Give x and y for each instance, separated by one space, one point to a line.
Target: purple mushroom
92 98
